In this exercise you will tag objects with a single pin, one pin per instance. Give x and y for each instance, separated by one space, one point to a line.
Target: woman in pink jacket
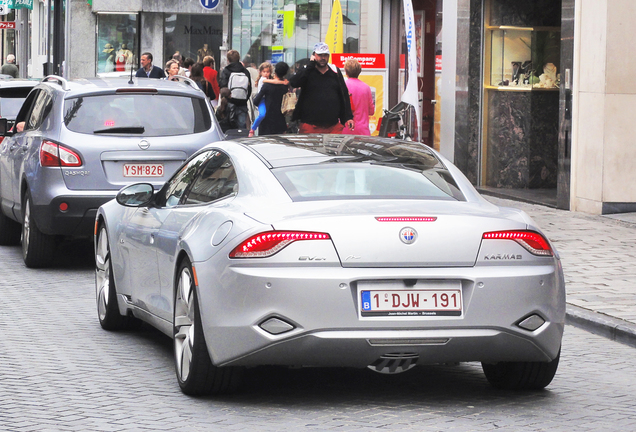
361 100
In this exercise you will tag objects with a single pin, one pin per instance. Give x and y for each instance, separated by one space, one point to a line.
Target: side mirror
136 195
3 128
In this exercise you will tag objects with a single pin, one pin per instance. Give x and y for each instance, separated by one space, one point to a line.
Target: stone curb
600 324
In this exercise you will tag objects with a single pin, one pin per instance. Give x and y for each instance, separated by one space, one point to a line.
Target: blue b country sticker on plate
366 300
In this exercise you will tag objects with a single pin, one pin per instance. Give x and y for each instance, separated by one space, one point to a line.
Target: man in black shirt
147 70
324 105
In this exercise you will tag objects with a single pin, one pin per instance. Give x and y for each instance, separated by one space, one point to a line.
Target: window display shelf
522 58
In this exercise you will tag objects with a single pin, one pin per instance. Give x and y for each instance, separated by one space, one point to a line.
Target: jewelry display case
522 58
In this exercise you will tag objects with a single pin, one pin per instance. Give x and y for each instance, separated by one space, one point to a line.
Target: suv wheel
37 247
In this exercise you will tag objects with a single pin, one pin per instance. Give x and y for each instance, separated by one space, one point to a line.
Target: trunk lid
449 236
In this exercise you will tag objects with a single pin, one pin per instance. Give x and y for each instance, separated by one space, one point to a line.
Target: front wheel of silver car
105 291
37 248
195 372
521 375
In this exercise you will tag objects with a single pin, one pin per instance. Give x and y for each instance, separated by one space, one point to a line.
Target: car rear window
138 114
342 180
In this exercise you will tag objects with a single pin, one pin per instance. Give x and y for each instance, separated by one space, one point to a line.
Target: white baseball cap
321 48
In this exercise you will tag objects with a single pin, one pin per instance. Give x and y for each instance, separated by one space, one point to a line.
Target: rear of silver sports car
384 290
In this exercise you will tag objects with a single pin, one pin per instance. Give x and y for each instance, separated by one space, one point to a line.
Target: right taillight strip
531 241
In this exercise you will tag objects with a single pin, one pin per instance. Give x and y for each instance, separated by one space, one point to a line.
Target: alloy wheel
184 324
102 274
26 227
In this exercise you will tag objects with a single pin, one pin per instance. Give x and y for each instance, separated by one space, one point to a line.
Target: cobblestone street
62 372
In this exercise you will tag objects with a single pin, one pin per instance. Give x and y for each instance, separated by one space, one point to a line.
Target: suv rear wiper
122 129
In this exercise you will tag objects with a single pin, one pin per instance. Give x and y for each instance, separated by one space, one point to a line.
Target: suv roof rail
63 82
186 80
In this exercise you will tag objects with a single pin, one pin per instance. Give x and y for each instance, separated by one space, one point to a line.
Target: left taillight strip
268 243
56 155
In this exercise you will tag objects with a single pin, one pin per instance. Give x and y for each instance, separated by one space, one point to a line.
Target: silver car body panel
314 286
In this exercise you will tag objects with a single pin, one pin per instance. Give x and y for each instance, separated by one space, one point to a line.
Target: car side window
41 108
216 180
27 106
177 186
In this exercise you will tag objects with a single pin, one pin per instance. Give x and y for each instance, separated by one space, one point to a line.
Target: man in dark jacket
323 105
239 98
147 70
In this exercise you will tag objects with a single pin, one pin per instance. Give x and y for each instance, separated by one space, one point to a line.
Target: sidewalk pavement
598 254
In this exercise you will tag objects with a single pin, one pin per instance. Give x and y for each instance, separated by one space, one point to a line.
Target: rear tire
105 290
521 375
195 372
37 247
9 231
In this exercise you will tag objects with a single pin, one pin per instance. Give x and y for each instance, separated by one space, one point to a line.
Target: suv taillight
268 243
531 241
56 155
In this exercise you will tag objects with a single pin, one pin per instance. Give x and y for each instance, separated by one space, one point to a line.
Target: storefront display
117 42
285 30
523 57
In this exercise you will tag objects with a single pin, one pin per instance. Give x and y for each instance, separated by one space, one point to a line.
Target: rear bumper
321 304
77 221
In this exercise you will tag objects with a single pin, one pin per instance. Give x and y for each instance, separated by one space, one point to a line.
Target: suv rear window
139 114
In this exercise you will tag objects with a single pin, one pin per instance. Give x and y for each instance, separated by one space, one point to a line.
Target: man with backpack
237 79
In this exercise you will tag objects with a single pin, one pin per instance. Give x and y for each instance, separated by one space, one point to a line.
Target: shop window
192 36
286 30
117 42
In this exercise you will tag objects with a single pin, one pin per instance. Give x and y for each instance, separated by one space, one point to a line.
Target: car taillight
56 155
531 241
268 243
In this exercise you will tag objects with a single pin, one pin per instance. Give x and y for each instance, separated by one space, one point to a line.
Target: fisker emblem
408 235
144 145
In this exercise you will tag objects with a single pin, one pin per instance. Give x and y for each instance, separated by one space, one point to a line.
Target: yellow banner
376 82
335 31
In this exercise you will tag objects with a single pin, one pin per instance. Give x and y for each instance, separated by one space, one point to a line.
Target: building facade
526 98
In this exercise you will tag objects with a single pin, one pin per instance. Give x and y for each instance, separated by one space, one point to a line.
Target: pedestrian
10 68
251 68
323 105
361 99
272 93
172 70
187 64
223 113
210 74
265 71
196 75
147 70
235 77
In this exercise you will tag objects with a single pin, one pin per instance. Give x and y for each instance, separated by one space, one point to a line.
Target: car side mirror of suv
3 128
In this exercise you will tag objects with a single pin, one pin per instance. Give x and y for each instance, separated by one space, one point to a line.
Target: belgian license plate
143 170
411 303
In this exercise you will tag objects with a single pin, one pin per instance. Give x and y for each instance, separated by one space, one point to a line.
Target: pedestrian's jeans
238 116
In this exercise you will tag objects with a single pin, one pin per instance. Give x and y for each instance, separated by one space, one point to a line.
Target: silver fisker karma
329 251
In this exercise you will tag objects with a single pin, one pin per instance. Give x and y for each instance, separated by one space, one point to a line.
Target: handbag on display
289 103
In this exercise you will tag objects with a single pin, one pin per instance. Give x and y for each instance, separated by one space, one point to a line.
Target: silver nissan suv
76 143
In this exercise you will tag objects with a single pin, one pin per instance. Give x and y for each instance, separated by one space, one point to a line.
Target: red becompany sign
367 61
7 24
